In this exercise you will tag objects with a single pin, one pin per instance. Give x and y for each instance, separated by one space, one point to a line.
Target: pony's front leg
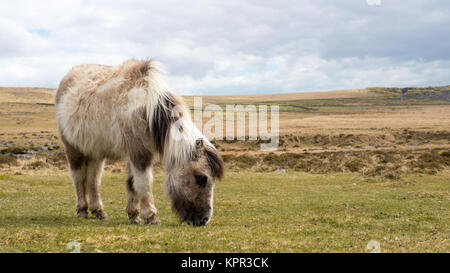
77 172
93 180
140 187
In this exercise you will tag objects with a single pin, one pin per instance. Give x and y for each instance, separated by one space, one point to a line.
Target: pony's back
96 105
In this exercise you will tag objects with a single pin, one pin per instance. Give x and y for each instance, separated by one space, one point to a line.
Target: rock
26 157
281 170
42 149
429 95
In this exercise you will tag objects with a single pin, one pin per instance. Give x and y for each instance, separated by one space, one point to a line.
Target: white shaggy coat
96 111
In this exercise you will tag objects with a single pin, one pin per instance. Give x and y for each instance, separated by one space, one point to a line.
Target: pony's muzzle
193 213
199 219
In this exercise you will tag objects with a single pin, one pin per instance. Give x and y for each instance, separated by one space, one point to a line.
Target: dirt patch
15 150
388 164
383 138
431 162
57 159
8 160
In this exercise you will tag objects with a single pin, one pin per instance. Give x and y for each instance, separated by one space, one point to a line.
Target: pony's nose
204 221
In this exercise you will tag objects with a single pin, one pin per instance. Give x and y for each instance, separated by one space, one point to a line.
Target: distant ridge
45 95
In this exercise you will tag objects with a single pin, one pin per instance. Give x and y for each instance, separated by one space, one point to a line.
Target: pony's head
190 185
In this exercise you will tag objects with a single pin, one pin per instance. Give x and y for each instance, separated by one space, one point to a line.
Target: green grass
254 212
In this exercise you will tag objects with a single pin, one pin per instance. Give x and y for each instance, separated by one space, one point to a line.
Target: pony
128 112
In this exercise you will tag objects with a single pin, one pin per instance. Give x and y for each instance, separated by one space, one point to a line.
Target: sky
233 47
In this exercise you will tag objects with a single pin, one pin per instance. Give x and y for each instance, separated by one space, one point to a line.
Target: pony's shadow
72 221
55 221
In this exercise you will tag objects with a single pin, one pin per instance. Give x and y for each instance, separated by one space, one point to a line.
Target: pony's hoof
82 213
153 220
99 214
135 220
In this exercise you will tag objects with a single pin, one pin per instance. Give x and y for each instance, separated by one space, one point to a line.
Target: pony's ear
198 144
215 162
198 149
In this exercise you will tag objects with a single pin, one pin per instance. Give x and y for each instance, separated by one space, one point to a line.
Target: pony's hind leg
77 172
139 187
94 170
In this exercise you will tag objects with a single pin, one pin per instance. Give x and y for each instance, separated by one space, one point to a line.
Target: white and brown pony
128 112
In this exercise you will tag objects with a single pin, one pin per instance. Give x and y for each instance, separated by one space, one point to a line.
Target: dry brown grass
247 99
425 118
26 95
356 121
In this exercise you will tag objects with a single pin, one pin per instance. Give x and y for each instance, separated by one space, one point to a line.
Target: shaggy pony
128 112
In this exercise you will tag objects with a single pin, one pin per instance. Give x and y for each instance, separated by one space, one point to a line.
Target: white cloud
373 2
222 47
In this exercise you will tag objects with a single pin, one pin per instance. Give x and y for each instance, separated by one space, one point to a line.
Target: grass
254 212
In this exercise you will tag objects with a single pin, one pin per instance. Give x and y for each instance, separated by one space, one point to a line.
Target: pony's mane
171 127
174 133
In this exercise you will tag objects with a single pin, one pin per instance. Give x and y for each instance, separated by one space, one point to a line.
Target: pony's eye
201 180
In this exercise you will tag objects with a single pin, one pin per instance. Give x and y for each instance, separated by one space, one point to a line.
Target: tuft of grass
57 159
8 160
36 165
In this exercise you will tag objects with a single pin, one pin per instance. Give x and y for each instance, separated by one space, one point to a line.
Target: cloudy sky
233 47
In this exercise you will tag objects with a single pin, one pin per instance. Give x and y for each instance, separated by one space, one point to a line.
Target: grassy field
254 212
352 166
